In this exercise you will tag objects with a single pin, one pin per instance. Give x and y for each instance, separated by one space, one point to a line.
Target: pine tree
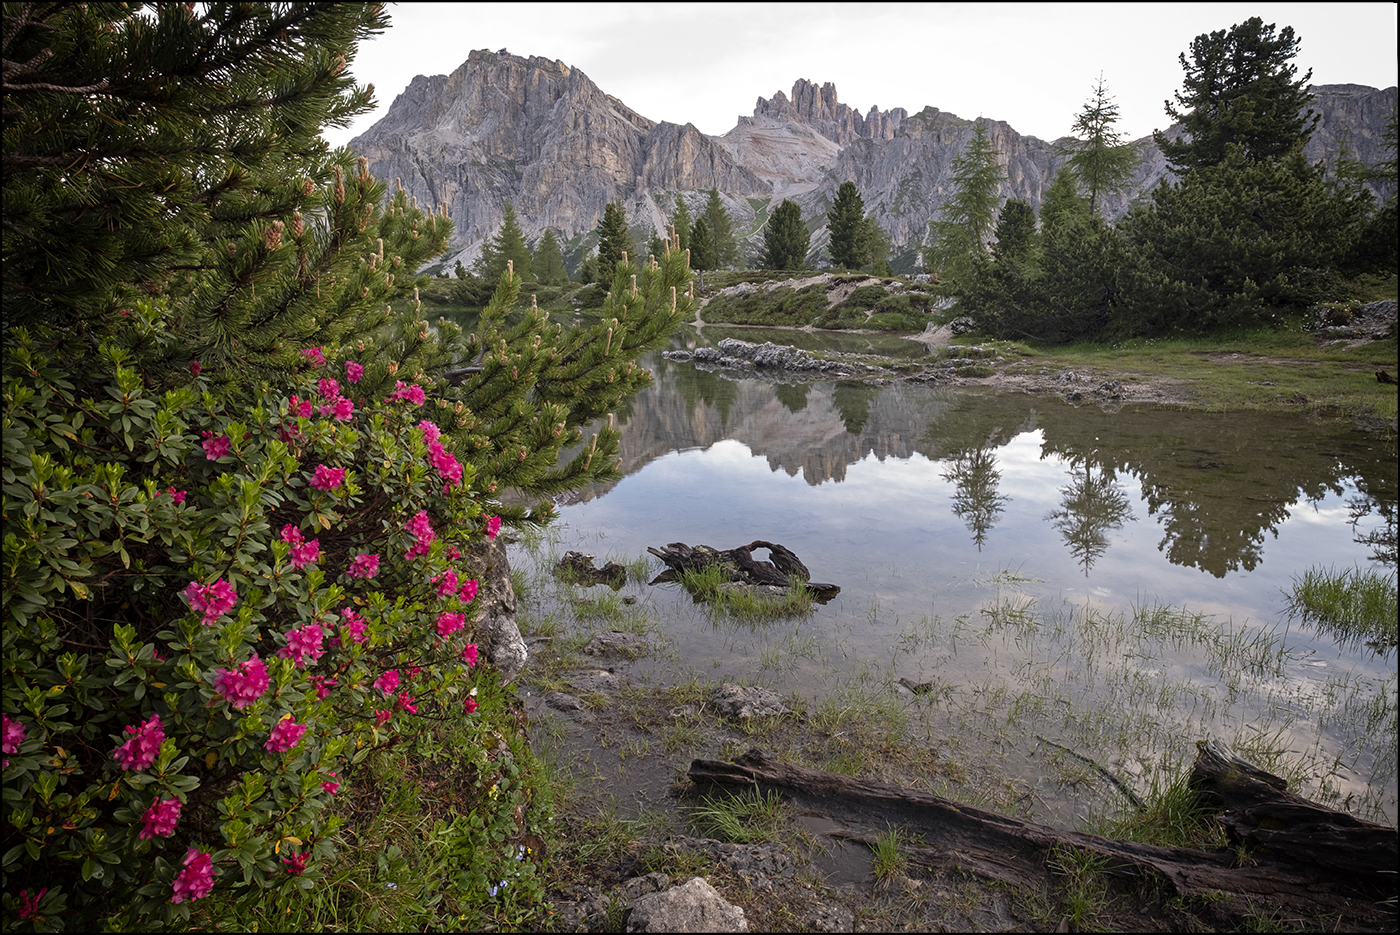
1101 161
549 261
614 239
681 222
506 247
845 224
1239 88
722 230
961 233
786 239
1015 233
702 246
1062 208
877 246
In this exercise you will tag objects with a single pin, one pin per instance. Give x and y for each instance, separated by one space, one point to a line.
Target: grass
1353 605
745 603
888 857
1175 817
744 818
1082 886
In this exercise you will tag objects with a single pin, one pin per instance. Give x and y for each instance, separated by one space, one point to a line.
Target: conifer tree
506 247
786 239
845 224
1101 160
1239 88
961 233
722 230
877 246
1062 208
614 239
549 261
1015 233
681 221
702 245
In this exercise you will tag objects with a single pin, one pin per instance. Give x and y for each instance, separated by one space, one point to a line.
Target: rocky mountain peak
820 109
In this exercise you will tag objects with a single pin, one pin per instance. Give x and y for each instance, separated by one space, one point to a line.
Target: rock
638 887
747 702
563 701
617 643
594 681
682 711
694 906
830 917
497 633
677 355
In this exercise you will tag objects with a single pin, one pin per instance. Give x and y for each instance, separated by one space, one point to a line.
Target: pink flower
363 565
468 591
195 367
406 703
446 582
303 642
177 495
412 392
330 785
342 409
296 864
243 684
324 478
14 735
354 623
216 446
431 432
212 600
353 371
493 526
140 751
446 463
323 685
470 655
314 355
285 735
197 879
388 683
422 528
291 533
328 387
305 553
299 407
29 906
447 624
469 705
160 819
382 717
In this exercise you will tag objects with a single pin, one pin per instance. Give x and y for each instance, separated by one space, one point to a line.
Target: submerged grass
1354 605
751 604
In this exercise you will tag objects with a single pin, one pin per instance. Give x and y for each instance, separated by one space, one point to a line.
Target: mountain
539 134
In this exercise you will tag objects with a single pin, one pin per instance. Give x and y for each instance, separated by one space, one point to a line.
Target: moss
780 306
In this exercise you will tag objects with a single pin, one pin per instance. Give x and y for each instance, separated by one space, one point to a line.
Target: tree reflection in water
1090 508
976 500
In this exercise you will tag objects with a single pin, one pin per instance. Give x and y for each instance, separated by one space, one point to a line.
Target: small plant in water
741 819
1355 605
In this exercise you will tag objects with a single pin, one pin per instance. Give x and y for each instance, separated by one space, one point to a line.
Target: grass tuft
1354 605
746 818
889 857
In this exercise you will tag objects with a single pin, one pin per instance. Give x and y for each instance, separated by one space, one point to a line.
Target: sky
1032 65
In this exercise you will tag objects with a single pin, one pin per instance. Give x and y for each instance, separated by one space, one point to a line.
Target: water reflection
1217 486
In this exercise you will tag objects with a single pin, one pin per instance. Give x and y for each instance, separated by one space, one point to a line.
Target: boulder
746 702
694 906
497 633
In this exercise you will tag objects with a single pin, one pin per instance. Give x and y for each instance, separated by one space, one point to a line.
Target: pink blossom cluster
470 655
303 642
244 684
339 408
449 623
212 600
323 685
422 529
327 478
314 355
13 735
177 495
354 372
411 392
388 683
328 387
160 819
216 446
196 880
355 624
196 367
431 432
363 565
286 734
493 526
299 407
468 591
446 463
296 864
29 905
406 703
330 785
470 704
140 751
382 717
446 582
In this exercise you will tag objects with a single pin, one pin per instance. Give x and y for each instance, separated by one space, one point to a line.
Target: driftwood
741 567
578 568
1010 850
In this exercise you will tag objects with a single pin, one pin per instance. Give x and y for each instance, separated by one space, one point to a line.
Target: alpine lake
1025 585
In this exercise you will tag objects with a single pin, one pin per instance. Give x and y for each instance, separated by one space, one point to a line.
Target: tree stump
739 565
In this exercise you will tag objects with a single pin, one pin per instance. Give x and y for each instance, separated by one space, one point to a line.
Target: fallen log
739 565
1013 851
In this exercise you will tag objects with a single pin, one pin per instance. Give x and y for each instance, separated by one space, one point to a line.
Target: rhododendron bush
186 678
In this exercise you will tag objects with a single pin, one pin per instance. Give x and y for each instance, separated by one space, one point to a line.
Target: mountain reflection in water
1218 485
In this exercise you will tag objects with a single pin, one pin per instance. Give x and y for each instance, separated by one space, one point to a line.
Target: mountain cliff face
539 134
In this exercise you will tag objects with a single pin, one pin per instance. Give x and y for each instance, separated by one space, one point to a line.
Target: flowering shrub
256 643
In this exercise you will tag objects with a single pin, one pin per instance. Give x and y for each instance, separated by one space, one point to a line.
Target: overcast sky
1032 65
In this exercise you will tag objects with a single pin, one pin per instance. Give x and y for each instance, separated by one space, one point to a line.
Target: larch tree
614 240
961 233
682 222
1100 159
549 261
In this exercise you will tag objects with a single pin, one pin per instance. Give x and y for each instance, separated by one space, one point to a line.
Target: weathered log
739 565
998 847
1261 814
578 568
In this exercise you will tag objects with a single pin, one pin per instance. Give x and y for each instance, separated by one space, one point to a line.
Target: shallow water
972 532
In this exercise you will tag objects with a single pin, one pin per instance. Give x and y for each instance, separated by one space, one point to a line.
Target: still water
944 514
